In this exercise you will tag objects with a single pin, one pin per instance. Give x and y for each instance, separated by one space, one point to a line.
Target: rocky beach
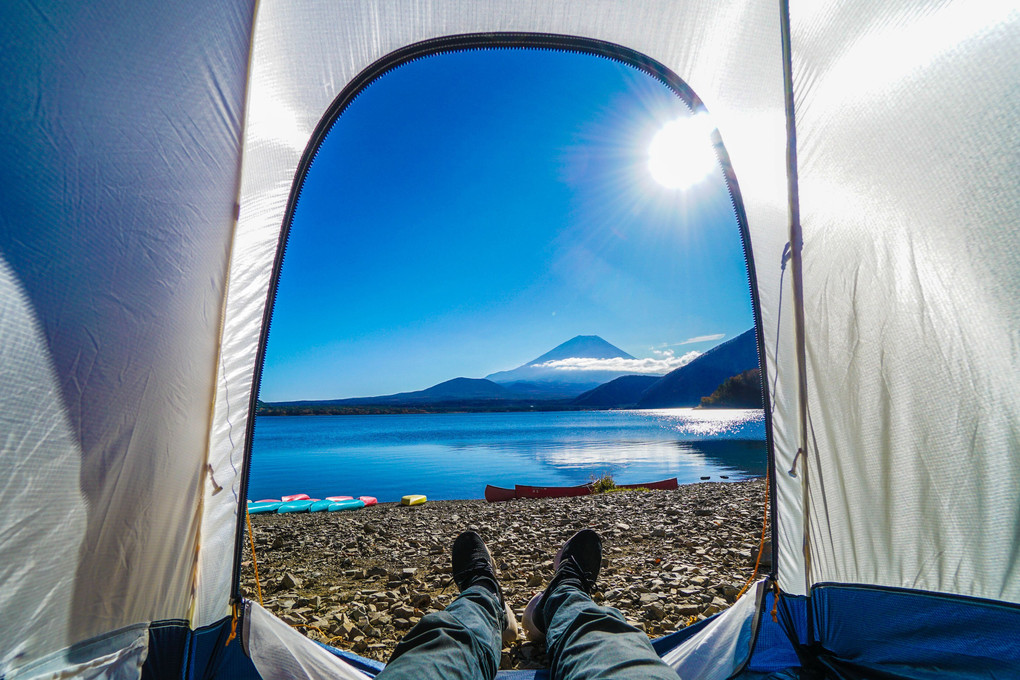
359 580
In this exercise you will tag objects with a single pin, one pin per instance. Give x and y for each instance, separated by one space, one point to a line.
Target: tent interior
152 155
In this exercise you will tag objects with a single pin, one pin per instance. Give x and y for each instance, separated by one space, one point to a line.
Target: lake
454 455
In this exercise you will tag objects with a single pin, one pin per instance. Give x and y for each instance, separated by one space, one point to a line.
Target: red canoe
496 493
524 491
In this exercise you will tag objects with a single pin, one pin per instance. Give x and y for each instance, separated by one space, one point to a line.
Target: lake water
454 455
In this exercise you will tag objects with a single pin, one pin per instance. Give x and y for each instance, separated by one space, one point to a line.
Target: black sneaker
473 565
581 555
578 560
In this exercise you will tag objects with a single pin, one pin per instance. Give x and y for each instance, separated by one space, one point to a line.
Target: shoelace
476 566
587 578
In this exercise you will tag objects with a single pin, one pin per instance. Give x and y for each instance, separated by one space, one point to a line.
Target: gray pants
584 640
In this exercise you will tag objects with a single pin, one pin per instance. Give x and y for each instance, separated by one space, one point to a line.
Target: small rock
288 582
655 612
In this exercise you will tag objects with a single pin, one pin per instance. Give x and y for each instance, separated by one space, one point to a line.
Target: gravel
359 580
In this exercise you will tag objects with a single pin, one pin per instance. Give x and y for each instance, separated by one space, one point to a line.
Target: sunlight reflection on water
733 423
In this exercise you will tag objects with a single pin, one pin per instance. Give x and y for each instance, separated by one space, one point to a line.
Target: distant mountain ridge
457 389
539 387
620 393
686 385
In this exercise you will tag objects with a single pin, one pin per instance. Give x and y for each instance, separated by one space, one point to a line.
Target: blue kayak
352 504
295 506
320 506
265 506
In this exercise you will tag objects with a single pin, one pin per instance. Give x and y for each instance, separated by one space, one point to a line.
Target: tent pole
797 273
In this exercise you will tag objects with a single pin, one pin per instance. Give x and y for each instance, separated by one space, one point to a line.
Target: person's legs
586 641
464 641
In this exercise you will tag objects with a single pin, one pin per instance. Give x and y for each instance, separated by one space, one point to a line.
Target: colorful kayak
268 500
368 500
494 494
413 499
295 506
349 504
259 507
320 506
339 498
294 497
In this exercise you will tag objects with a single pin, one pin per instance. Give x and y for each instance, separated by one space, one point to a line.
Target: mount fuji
567 370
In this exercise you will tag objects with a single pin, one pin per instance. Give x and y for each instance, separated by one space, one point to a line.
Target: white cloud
703 338
664 363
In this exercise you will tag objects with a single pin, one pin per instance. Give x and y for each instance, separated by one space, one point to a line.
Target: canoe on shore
498 493
494 494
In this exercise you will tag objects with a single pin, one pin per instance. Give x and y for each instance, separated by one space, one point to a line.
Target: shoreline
364 578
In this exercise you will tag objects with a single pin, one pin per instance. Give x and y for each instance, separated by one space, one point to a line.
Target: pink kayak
339 498
294 497
368 500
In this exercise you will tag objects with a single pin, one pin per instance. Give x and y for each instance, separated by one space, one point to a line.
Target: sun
681 153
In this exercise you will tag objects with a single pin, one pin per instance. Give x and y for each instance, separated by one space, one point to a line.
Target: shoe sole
510 632
528 620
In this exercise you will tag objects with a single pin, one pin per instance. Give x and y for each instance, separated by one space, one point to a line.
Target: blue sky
470 211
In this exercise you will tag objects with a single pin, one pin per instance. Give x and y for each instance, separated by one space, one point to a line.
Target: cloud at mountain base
664 362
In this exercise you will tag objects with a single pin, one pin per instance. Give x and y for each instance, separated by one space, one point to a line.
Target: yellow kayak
413 499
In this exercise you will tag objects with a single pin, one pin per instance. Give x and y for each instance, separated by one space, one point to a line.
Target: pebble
670 558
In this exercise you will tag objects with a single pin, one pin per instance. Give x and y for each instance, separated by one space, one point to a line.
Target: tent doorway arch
597 49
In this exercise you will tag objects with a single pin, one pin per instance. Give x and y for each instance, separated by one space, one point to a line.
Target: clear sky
470 211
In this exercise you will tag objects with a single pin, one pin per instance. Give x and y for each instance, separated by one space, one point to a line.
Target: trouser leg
586 641
462 642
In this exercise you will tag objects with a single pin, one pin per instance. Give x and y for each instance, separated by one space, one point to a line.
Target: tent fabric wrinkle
280 651
118 655
724 647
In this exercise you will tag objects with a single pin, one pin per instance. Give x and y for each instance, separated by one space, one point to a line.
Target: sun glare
681 152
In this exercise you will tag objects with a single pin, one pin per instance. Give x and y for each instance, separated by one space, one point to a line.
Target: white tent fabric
279 651
909 153
723 646
121 134
149 153
39 444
